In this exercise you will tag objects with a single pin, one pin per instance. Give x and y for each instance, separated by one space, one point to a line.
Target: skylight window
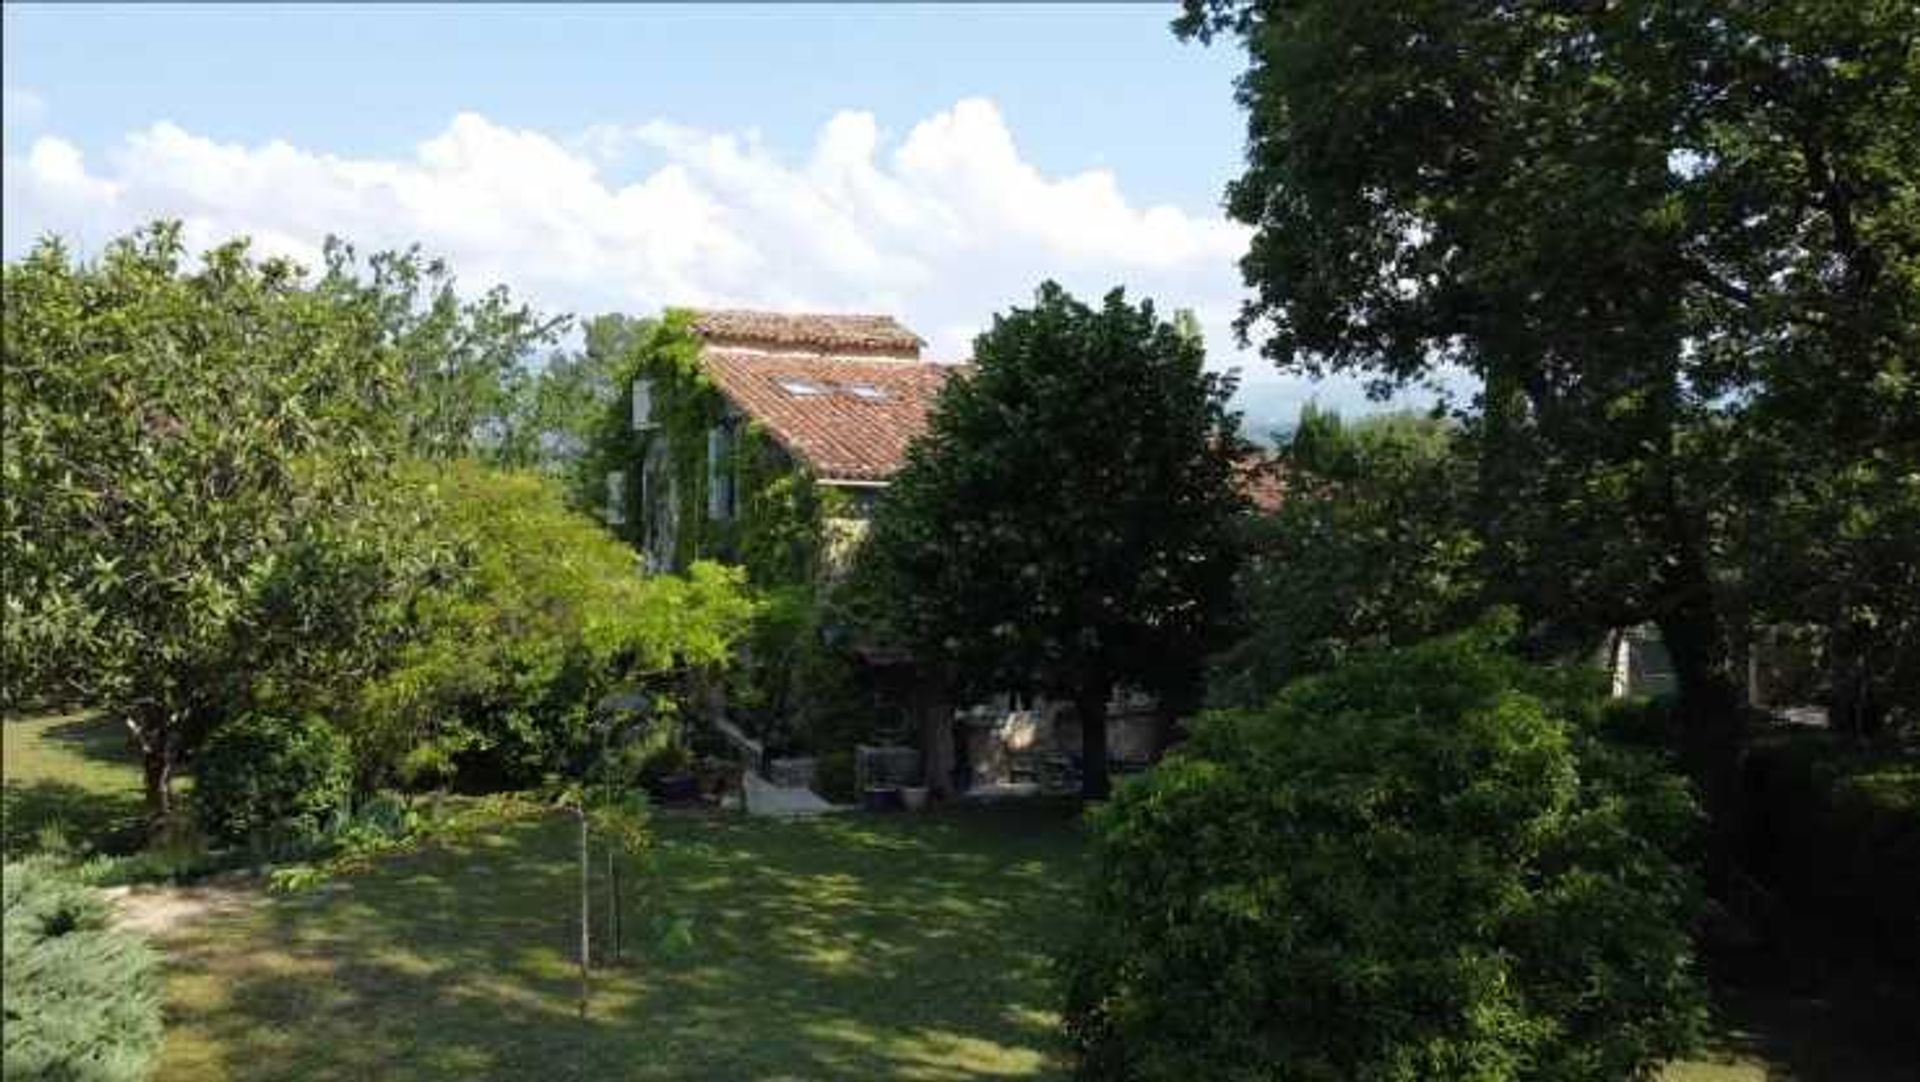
801 388
867 391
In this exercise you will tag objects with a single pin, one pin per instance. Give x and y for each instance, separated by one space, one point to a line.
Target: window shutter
719 476
616 497
642 404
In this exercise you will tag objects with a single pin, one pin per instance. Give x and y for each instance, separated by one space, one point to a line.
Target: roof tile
856 429
846 334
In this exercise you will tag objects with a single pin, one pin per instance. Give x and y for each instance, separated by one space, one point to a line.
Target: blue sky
1097 85
935 162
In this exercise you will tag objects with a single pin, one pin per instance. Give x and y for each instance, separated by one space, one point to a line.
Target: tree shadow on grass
92 737
75 772
911 948
1811 1011
105 822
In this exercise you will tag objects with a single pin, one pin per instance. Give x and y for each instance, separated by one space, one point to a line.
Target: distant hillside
1270 408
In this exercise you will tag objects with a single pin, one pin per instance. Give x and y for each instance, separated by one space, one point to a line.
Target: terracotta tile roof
844 418
840 334
1261 480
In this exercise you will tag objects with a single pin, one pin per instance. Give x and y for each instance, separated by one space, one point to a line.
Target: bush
668 759
273 779
1834 828
834 778
1413 867
82 999
550 614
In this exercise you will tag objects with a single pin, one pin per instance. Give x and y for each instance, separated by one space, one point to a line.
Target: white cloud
941 228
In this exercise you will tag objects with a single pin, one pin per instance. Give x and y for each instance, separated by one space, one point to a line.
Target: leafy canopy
197 509
548 613
1067 521
1371 546
1678 243
1418 865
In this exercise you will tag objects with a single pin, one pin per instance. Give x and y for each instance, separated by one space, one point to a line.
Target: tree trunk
1851 708
586 918
1710 705
156 758
1169 707
1091 705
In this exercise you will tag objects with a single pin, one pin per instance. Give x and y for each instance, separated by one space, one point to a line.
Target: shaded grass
73 771
858 947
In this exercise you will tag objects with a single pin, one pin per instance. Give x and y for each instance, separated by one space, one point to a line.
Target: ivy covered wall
798 687
775 527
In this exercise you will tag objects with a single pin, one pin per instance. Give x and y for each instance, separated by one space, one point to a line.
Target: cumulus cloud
941 227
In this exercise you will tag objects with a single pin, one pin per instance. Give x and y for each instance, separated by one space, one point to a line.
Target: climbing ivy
792 688
777 529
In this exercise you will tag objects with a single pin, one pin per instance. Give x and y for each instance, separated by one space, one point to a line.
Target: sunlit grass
73 772
903 947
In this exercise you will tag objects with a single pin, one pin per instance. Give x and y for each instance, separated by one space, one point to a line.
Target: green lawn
73 770
909 947
857 947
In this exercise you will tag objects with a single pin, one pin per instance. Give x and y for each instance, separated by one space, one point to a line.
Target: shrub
1834 827
82 998
549 614
1413 867
268 778
666 759
834 777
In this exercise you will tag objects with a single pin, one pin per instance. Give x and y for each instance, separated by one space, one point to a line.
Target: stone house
836 397
832 401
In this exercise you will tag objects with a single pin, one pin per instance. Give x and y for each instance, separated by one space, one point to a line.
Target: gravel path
158 911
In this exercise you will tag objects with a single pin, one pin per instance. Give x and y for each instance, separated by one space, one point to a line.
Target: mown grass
858 947
73 772
894 947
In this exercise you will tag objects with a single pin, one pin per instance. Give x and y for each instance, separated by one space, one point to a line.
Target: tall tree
470 384
196 507
1067 522
577 399
1370 547
1671 237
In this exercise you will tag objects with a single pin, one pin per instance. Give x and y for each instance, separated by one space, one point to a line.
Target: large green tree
196 513
1371 546
1067 522
470 387
573 397
1677 241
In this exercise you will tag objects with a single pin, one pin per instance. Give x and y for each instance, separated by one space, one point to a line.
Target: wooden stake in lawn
586 913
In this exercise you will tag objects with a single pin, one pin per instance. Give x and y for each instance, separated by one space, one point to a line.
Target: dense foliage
264 779
82 998
548 614
577 402
468 389
1067 521
197 508
1836 834
1371 546
1677 242
1416 866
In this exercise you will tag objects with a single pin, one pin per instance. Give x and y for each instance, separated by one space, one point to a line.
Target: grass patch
71 771
858 947
908 947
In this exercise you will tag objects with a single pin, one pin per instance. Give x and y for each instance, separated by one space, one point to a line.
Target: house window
800 388
642 404
719 474
616 497
866 391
